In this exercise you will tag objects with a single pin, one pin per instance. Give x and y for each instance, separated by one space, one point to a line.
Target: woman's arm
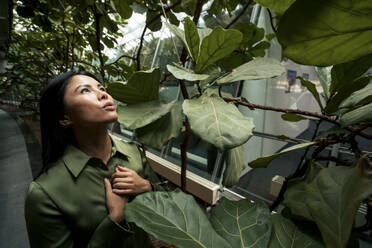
47 227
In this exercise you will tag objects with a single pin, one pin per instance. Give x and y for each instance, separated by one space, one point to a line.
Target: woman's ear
65 122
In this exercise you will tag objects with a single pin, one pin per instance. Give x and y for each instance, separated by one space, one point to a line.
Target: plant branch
239 15
300 112
120 57
97 17
272 21
184 154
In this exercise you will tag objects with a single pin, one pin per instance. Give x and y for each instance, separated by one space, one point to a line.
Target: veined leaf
362 114
182 73
295 196
311 87
265 161
204 32
133 116
343 93
175 218
234 166
287 234
292 117
192 38
346 73
218 122
324 76
326 33
258 68
279 6
177 31
158 133
142 86
217 45
242 223
334 196
358 97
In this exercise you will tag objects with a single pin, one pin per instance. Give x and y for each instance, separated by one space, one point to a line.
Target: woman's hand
115 203
127 182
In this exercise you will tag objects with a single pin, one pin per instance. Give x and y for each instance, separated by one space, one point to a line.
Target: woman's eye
84 90
103 89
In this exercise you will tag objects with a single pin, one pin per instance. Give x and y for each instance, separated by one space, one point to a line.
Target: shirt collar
75 159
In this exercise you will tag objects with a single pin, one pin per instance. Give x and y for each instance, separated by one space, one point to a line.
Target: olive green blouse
66 206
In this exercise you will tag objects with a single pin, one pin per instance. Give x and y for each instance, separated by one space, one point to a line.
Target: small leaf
265 161
173 19
258 68
123 8
242 223
158 133
362 114
292 117
184 74
324 76
156 24
133 116
192 38
214 72
175 218
234 166
218 122
334 130
142 86
343 93
312 88
177 31
358 97
216 46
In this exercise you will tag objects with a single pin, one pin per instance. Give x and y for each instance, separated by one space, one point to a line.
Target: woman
73 203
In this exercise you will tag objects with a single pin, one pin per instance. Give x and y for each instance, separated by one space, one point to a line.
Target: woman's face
87 103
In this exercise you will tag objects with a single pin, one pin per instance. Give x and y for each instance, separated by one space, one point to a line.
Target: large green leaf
334 196
178 32
312 88
295 196
158 133
358 97
344 92
279 6
175 218
182 73
258 68
362 114
234 166
218 122
263 162
142 86
133 116
204 32
242 223
192 38
287 234
346 73
325 33
217 45
214 72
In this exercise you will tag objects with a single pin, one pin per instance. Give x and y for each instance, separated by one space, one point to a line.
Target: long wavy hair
54 136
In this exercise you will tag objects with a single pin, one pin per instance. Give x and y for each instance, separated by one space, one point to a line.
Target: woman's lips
109 106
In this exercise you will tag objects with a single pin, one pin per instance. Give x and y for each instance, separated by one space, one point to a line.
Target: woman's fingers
122 186
122 180
122 191
119 174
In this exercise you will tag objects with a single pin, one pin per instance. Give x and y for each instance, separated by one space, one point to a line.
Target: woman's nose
102 95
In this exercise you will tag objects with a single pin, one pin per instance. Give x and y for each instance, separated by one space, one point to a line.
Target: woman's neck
94 142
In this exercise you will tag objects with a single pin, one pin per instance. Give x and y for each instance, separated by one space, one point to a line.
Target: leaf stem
239 15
